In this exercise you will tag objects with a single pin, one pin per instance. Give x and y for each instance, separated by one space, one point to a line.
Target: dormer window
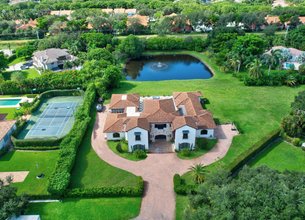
185 134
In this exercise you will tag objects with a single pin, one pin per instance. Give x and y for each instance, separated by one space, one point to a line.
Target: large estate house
179 118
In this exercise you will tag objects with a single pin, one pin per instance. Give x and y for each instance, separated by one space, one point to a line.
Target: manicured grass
74 209
130 156
29 74
17 60
91 171
202 146
9 111
36 163
255 110
181 203
282 156
13 44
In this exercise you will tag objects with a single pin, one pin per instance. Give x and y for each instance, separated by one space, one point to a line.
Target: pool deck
22 99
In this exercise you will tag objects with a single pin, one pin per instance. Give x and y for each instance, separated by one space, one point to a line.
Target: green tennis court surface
55 118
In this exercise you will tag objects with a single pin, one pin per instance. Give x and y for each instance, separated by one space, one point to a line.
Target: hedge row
243 158
180 187
40 148
39 143
61 176
111 191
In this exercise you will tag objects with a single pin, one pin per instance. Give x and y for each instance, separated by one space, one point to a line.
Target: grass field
91 171
17 60
181 204
112 145
255 110
5 44
282 156
36 163
202 146
74 209
9 111
29 74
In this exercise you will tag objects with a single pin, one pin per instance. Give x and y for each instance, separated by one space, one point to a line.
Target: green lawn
181 203
74 209
29 74
17 60
91 171
202 146
130 156
255 110
282 156
13 44
9 111
36 163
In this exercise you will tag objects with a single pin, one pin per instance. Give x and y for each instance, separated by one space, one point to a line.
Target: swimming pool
9 102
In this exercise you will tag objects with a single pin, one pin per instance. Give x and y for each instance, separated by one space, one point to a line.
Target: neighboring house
142 20
292 57
51 59
13 2
22 25
66 13
141 120
26 217
7 127
107 10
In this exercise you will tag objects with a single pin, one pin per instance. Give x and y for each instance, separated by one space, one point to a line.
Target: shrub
140 154
186 152
296 142
180 187
119 147
302 69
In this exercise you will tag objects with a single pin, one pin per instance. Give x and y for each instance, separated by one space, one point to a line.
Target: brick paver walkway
158 170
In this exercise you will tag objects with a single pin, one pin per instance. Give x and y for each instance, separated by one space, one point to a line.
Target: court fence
45 143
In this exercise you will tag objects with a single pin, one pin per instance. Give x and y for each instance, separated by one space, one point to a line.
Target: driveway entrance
161 146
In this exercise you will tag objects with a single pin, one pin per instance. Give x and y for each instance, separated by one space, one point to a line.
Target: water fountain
159 66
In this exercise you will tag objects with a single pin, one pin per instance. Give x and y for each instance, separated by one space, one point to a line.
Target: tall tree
255 69
272 60
131 47
198 172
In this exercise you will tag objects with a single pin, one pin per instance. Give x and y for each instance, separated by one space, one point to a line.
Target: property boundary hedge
244 158
38 143
61 175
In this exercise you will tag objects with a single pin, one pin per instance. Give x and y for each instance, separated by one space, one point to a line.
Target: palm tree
255 69
198 172
272 60
235 63
290 80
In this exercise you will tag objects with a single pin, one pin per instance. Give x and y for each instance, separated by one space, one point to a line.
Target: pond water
166 67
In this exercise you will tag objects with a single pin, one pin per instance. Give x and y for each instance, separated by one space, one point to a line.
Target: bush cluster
140 154
175 43
60 178
277 78
181 187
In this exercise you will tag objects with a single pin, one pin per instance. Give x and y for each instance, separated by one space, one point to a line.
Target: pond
166 67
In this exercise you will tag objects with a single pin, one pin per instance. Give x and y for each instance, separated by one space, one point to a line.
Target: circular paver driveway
158 170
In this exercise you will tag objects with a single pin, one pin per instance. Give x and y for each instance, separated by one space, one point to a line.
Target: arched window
116 135
204 132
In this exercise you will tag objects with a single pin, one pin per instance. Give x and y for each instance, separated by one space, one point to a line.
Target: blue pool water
166 67
9 102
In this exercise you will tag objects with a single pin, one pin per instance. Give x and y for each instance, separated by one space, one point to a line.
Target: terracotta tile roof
205 120
181 121
302 20
135 122
143 20
119 101
5 126
21 25
293 51
190 100
107 10
272 19
159 110
114 123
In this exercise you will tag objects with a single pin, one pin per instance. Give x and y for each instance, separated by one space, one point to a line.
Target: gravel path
158 170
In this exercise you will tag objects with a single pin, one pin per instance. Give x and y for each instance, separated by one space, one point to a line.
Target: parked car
99 107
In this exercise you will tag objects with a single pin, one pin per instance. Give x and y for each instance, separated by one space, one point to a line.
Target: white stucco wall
132 141
179 136
210 133
110 137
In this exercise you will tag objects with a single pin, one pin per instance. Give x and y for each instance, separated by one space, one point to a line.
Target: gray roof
51 55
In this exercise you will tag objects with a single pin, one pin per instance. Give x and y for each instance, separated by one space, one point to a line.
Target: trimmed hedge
114 191
40 148
38 143
180 187
243 158
60 179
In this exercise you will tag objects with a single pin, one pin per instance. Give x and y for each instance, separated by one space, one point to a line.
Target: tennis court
55 118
